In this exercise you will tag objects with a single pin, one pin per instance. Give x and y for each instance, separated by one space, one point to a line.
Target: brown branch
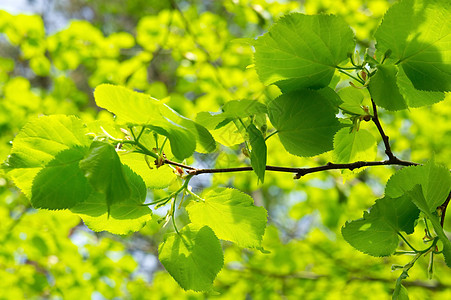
298 171
385 138
443 209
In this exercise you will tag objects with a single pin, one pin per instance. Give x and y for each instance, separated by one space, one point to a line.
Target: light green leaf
243 108
424 204
435 181
136 108
352 99
305 120
103 169
384 90
155 178
377 232
232 215
61 183
124 217
193 257
259 151
37 144
371 235
129 106
354 146
418 33
302 51
400 293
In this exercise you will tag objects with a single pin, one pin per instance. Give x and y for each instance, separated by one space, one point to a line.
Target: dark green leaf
302 51
61 184
305 120
103 169
124 217
418 35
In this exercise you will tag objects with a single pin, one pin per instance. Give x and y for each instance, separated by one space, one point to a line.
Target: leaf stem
407 243
352 76
271 134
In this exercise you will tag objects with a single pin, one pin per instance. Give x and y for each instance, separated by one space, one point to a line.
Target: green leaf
371 235
193 257
61 184
353 146
400 293
37 144
129 106
155 178
305 120
140 109
232 215
435 181
352 99
424 204
377 232
124 217
259 151
390 88
302 51
418 35
231 110
243 108
384 90
414 97
103 169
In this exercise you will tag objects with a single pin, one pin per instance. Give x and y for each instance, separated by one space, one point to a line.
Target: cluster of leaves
100 170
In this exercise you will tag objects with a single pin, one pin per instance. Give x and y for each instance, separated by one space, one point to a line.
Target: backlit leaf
232 215
193 257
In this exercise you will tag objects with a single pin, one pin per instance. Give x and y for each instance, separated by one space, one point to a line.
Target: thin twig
443 209
304 171
385 138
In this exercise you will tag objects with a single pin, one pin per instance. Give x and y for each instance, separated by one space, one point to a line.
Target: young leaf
305 120
302 51
140 109
353 146
156 178
400 293
258 154
232 215
352 99
103 169
243 108
37 144
124 217
435 181
377 232
193 257
417 32
424 204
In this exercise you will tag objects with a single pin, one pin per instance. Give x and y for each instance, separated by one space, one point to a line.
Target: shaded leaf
124 217
302 51
305 120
